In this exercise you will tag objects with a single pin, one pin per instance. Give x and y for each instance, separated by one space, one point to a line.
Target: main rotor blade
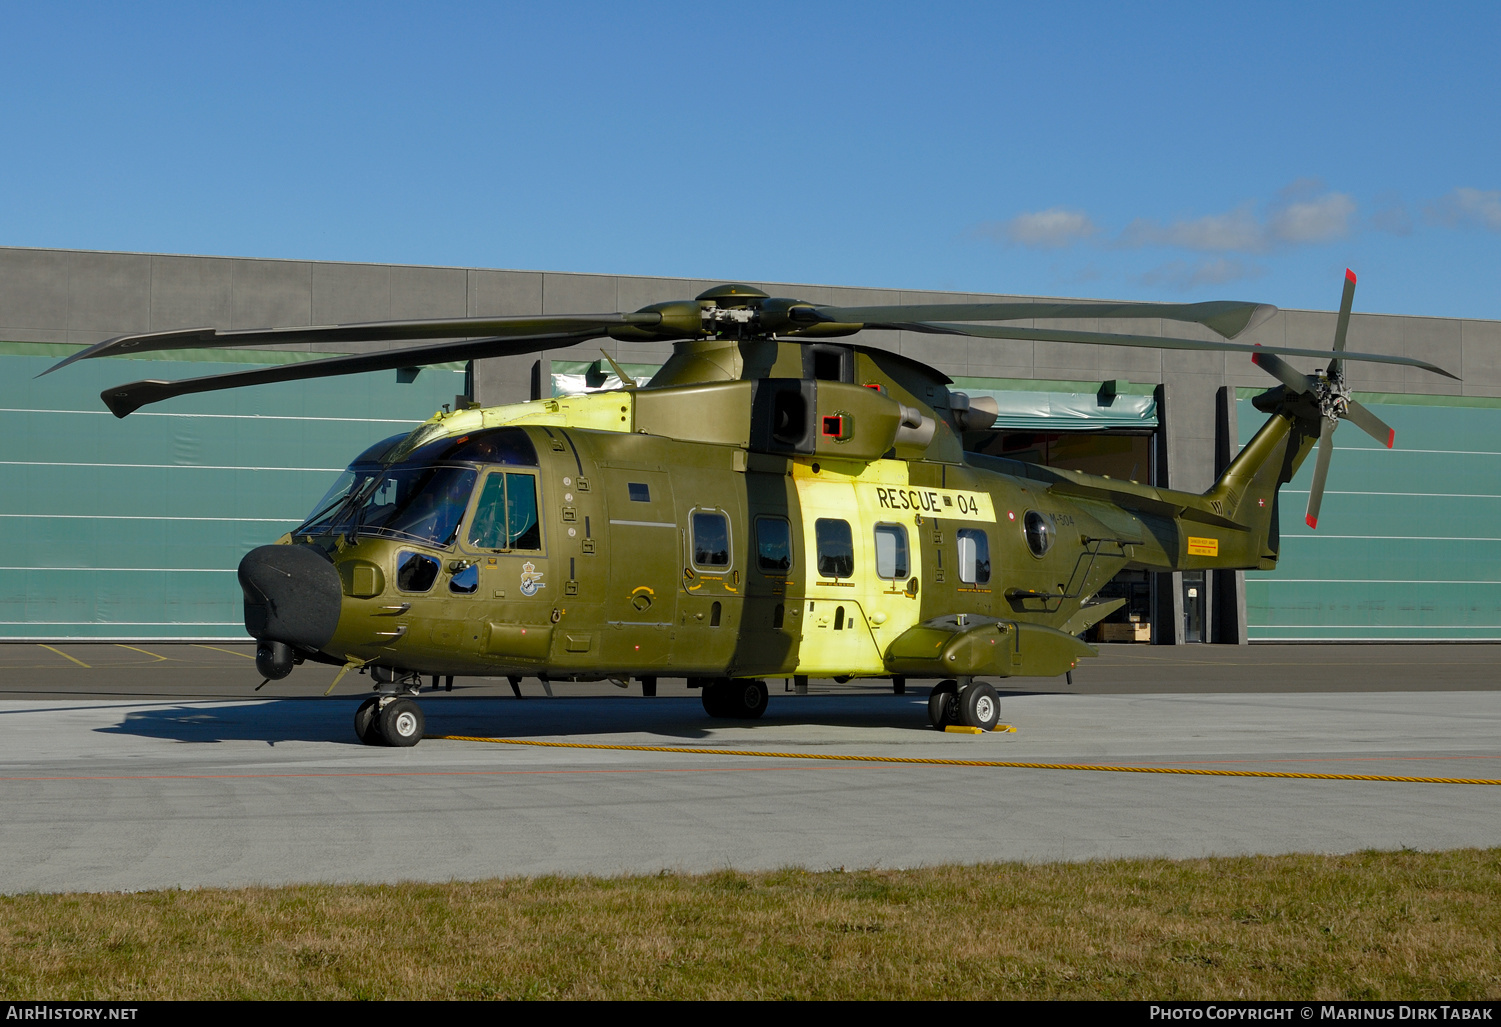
1284 372
1227 318
1320 471
523 326
1342 326
1375 427
125 399
1150 342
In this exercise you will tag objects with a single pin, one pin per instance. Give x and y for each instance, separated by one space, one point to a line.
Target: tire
714 693
748 699
941 704
979 706
365 726
402 723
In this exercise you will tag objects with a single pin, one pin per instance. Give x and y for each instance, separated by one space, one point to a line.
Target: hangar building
130 530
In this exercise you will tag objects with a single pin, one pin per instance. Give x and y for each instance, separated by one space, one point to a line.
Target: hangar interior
131 529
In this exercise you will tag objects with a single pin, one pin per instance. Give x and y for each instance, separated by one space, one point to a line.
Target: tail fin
1247 491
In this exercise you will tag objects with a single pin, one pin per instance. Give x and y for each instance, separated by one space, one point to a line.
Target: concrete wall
80 297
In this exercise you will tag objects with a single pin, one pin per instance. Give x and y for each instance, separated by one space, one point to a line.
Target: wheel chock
963 729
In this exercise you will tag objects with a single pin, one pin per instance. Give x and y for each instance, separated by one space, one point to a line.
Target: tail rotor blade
1284 372
1369 423
1342 327
1320 472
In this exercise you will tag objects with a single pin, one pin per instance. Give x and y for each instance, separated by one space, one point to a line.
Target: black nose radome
292 595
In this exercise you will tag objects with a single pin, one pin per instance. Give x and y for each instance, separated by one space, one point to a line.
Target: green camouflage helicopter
769 504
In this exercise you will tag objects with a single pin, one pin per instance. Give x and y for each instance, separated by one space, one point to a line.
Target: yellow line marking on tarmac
231 652
931 761
159 657
65 656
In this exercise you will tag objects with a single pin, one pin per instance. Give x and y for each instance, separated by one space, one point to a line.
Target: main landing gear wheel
979 706
401 723
943 704
365 725
741 700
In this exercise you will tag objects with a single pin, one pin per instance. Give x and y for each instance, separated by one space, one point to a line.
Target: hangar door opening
1093 427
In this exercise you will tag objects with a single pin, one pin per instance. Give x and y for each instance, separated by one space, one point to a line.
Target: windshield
419 499
421 504
333 512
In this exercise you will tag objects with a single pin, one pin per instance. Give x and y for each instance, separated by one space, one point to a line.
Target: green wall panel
1409 539
133 528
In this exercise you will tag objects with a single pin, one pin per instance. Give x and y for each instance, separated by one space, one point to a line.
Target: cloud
1235 232
1185 276
1049 229
1317 220
1298 218
1465 207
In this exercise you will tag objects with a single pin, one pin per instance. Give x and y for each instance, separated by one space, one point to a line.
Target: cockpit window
492 446
367 495
364 467
506 515
423 504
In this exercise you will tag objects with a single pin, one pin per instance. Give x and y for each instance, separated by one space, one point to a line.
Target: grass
1373 925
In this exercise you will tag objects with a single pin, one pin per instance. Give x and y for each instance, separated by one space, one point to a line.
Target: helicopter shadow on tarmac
270 721
678 719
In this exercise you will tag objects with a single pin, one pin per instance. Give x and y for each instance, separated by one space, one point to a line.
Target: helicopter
773 502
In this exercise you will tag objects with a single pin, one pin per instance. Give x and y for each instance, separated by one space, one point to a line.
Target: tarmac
154 766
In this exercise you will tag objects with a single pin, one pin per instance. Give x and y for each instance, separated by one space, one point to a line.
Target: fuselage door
839 569
643 550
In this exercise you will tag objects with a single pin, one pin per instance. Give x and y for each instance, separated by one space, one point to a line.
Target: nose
292 595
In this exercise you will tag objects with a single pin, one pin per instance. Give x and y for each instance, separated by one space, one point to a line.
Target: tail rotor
1330 396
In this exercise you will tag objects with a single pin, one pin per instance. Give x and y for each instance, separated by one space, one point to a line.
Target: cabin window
639 491
891 551
506 515
836 548
711 540
1039 532
465 582
415 572
974 556
773 545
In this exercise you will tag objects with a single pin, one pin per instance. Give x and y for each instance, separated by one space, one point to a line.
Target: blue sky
1145 151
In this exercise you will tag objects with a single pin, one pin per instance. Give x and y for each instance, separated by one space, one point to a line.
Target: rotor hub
1333 396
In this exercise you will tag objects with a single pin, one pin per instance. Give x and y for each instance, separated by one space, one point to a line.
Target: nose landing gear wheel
979 706
365 725
401 723
943 704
